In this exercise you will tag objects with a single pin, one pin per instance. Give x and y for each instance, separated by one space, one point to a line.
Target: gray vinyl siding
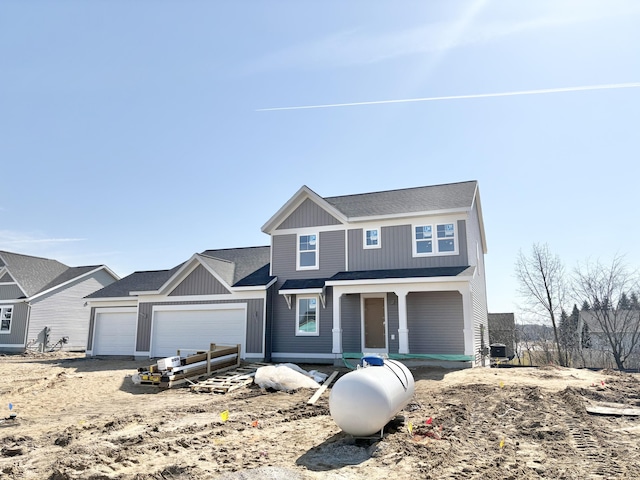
284 328
199 282
435 321
308 214
478 285
330 247
10 292
351 322
393 323
396 250
255 316
19 320
63 311
6 278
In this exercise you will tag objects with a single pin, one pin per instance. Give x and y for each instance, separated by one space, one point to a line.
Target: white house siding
63 311
478 285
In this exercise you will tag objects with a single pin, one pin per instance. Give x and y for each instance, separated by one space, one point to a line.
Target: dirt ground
80 418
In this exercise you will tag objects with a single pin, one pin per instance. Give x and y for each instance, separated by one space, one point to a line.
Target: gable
6 278
199 282
308 214
10 292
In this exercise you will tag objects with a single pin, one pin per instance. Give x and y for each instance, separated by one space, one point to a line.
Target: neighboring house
42 301
398 272
624 330
502 330
395 272
218 296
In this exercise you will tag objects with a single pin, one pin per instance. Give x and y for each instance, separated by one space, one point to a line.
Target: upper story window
307 252
444 242
307 316
371 238
5 319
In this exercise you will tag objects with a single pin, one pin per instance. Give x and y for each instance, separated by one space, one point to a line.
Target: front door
375 325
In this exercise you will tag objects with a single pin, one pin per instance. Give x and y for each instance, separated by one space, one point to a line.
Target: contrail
460 97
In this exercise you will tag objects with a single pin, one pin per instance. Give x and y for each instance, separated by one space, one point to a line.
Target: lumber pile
173 371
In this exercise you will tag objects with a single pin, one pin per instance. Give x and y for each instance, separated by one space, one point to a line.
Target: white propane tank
363 401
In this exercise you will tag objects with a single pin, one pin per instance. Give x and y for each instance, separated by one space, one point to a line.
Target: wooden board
321 390
613 410
230 380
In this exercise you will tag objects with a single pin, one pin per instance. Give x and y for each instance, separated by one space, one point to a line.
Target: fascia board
302 194
400 281
301 291
426 213
476 200
256 287
112 302
74 279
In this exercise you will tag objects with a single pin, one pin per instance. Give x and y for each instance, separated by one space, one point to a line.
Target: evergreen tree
586 337
585 306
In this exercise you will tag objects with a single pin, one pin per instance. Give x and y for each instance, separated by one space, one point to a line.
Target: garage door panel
196 329
114 333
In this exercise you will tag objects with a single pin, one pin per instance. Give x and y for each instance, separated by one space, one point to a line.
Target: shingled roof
36 275
137 281
407 200
235 264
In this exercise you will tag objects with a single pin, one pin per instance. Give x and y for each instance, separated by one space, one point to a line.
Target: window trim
3 309
316 250
298 332
364 237
435 251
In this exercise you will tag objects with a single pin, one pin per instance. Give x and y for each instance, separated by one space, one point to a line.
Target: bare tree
611 290
542 286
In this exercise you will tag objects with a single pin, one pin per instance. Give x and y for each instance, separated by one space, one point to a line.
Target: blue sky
134 133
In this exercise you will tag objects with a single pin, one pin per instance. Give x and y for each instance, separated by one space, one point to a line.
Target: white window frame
3 311
301 333
299 252
435 250
364 237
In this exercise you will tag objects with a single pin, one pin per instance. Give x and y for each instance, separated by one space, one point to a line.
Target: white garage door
114 333
196 329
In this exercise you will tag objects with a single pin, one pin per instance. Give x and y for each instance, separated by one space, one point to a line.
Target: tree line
607 323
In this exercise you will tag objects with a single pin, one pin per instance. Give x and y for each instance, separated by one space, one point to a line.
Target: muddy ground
79 418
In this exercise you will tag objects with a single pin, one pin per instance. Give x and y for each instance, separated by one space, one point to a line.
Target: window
424 240
5 319
445 241
307 252
371 238
307 316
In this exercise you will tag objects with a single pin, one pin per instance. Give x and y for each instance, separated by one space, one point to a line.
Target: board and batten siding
18 325
396 250
331 261
393 323
6 278
10 292
64 312
435 321
308 214
351 323
255 316
478 285
284 339
199 282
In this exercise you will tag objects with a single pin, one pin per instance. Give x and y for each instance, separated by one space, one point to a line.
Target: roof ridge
33 256
400 189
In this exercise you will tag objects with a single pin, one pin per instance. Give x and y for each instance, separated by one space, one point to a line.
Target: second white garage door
175 329
115 332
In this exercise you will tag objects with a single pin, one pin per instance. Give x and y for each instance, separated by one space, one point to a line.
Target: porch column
403 331
337 326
